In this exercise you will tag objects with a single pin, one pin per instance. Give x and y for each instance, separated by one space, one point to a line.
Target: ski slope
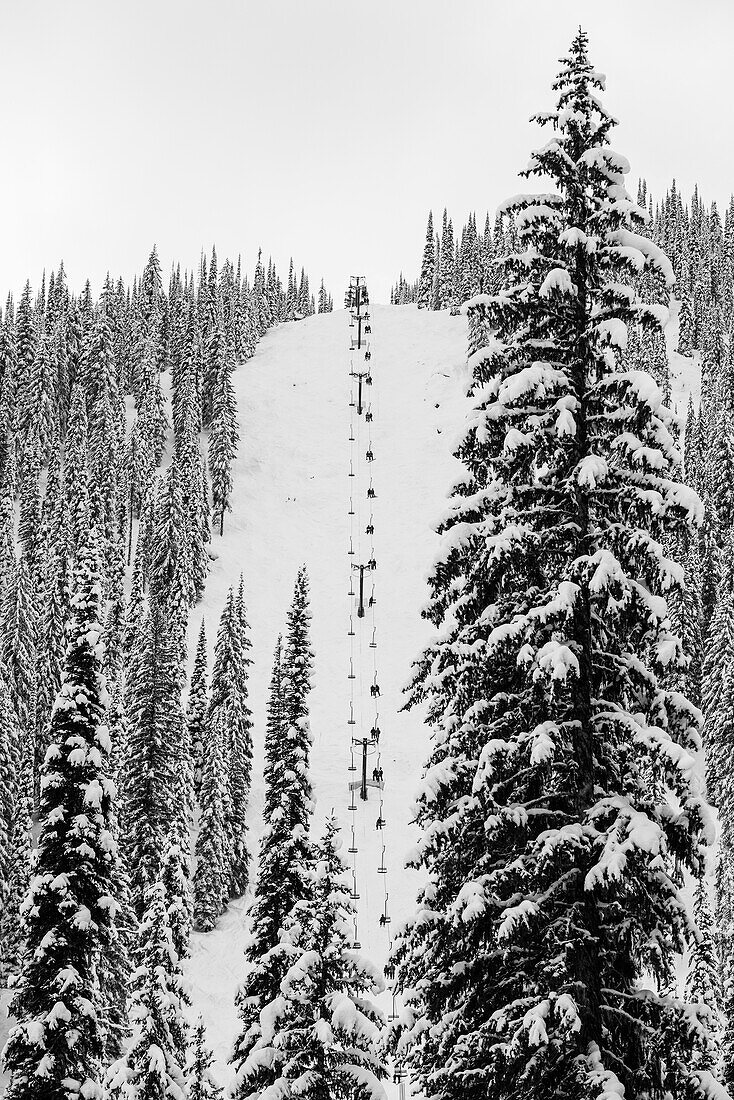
290 505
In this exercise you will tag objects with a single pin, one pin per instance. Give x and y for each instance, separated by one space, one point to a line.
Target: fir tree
685 327
156 759
151 1069
224 436
552 859
200 1080
284 857
211 876
56 1047
319 1035
425 285
229 720
19 644
16 825
703 984
196 707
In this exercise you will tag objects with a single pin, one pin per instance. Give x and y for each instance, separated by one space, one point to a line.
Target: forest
558 923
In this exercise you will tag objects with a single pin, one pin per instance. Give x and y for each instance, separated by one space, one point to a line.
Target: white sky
322 128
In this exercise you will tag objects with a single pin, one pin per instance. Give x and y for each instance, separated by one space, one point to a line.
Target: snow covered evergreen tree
55 1049
543 951
425 284
229 720
211 876
156 765
285 856
196 707
685 327
200 1080
703 984
224 435
151 1069
319 1035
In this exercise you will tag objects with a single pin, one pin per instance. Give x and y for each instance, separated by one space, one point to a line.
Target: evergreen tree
19 648
200 1080
552 858
76 471
685 327
224 436
156 759
446 272
55 1049
16 825
284 857
703 985
211 876
230 722
319 1035
196 707
151 1069
169 577
425 285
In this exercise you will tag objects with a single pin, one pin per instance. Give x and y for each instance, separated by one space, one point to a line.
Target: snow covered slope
290 506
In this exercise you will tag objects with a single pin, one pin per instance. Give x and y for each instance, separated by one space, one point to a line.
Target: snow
557 281
290 505
291 497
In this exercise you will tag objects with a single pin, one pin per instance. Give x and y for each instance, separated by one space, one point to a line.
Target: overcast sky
325 129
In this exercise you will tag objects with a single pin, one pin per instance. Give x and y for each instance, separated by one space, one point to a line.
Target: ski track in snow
290 504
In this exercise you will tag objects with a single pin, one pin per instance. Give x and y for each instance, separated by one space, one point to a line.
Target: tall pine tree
542 955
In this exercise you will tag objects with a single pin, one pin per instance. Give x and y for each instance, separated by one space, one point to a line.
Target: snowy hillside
290 505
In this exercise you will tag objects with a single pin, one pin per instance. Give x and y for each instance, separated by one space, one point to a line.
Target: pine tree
224 436
446 272
229 721
703 985
425 285
76 471
284 857
19 642
685 327
200 1080
169 577
552 859
319 1035
211 876
150 784
196 707
15 833
151 1069
55 1049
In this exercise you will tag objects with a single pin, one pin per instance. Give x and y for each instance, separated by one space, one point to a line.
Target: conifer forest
367 651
